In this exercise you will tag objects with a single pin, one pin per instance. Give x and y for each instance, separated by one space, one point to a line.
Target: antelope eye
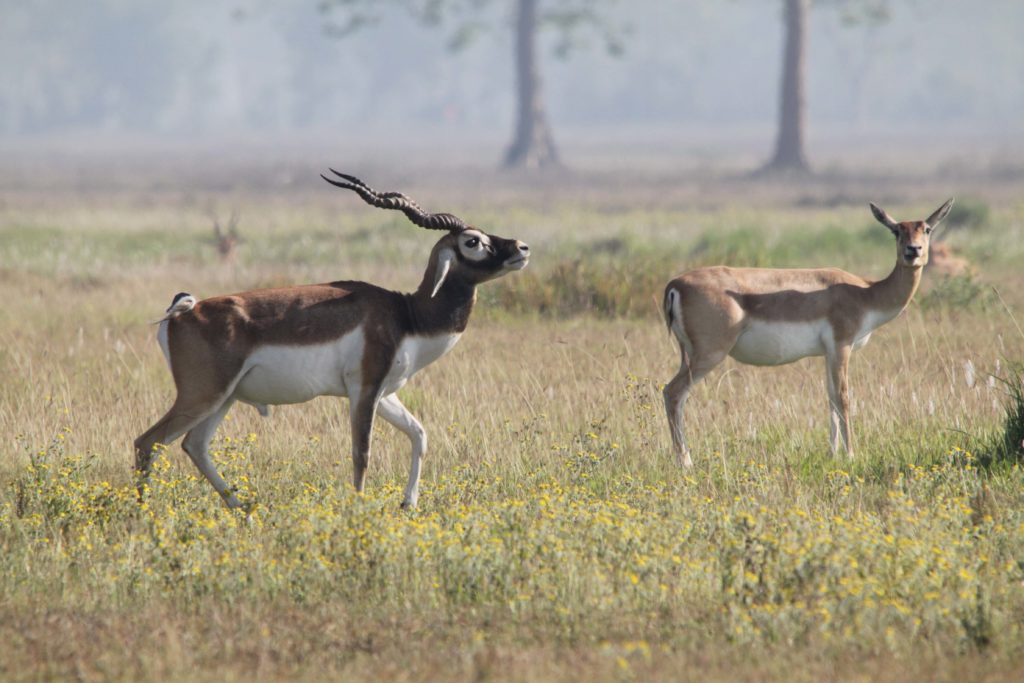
472 241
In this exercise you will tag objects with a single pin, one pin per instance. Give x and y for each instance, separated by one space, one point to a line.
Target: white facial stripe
474 245
444 264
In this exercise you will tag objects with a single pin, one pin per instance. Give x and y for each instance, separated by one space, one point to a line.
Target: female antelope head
912 237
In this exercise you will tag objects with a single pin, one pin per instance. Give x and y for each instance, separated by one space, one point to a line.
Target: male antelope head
912 237
466 256
772 316
343 338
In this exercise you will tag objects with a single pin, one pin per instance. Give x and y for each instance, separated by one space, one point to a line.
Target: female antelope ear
940 213
885 219
444 264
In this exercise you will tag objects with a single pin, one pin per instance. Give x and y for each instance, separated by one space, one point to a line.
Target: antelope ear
444 264
885 219
940 213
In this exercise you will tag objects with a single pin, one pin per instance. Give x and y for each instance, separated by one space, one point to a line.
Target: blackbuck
344 338
770 316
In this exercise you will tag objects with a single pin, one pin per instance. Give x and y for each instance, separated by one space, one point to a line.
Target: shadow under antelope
774 316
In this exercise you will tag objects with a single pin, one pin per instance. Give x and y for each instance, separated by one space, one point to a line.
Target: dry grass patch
555 536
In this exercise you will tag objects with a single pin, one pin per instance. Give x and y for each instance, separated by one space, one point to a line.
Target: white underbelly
777 343
414 354
294 374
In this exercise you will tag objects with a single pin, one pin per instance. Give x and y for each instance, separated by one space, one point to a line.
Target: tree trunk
789 147
532 146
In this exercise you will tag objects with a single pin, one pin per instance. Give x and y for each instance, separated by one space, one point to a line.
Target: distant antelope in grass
345 338
226 241
772 316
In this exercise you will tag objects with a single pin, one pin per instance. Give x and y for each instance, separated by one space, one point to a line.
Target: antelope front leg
392 410
837 376
361 412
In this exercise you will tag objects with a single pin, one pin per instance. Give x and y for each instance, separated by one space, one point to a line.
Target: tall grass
1007 446
556 537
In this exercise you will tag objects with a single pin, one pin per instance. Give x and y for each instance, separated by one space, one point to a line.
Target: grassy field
555 536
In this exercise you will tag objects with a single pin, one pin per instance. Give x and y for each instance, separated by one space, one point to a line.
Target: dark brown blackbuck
345 338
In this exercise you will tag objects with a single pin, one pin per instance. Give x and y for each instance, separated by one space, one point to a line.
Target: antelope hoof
684 460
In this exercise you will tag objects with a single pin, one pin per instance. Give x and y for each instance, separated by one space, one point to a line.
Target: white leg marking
392 410
833 408
837 360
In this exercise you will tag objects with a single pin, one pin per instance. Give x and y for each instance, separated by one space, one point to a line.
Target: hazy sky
192 67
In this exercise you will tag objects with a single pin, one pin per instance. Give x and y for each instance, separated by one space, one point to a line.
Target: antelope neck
446 313
896 290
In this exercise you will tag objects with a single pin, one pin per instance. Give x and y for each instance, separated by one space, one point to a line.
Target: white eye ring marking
476 247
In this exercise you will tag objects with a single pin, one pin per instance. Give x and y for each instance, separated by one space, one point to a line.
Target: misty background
938 85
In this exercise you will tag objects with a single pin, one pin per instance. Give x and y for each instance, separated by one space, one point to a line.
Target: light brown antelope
771 316
226 241
345 338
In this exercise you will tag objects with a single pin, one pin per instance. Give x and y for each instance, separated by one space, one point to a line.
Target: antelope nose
914 249
523 247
